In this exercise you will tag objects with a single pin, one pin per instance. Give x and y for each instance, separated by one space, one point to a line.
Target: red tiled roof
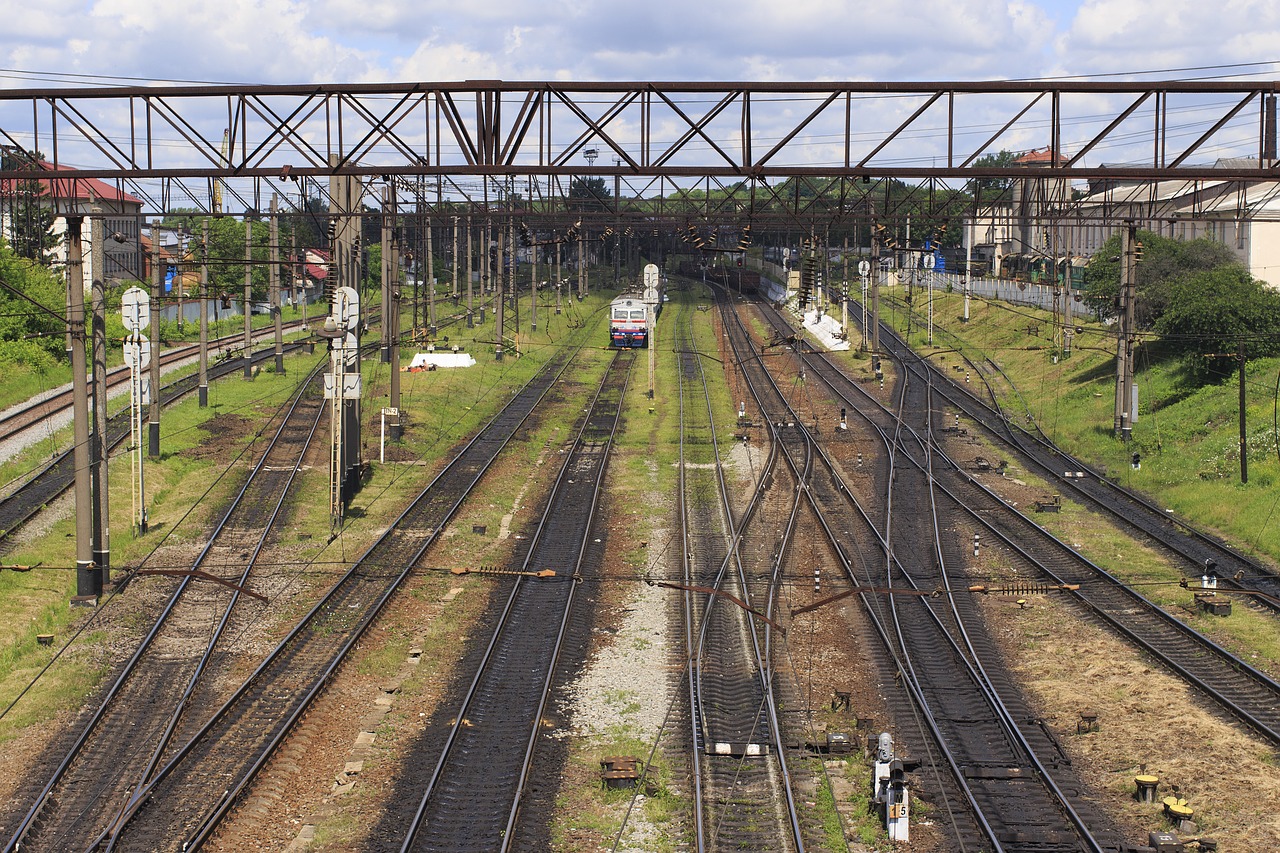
80 189
1038 156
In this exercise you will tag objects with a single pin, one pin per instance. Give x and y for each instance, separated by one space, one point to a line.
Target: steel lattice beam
910 131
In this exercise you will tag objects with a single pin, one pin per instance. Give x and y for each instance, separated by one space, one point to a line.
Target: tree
1165 263
30 215
226 257
1210 313
589 195
993 189
29 335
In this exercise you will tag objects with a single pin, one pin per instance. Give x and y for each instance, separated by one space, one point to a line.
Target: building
1242 215
65 194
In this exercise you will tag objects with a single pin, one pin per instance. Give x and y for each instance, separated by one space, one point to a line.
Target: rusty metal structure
808 150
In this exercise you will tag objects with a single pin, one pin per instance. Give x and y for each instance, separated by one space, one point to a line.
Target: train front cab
628 338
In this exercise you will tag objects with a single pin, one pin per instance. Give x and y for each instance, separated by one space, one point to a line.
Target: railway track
1238 688
1020 793
169 676
1191 548
473 797
743 792
58 475
16 420
210 766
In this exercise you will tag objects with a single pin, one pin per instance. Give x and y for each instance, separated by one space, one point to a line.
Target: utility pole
582 264
1129 256
88 579
429 282
274 279
388 213
100 450
515 284
392 293
844 289
500 296
157 282
533 284
875 296
968 269
1244 455
470 273
248 297
486 265
203 380
296 266
454 260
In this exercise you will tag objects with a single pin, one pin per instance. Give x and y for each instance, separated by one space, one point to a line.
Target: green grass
1186 435
184 485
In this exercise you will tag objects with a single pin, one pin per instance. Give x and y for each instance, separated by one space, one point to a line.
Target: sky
64 42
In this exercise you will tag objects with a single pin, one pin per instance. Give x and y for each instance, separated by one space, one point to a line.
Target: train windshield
637 315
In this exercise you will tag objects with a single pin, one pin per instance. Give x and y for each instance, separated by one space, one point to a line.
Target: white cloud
1137 35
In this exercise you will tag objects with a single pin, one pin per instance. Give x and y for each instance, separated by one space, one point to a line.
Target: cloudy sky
126 42
53 42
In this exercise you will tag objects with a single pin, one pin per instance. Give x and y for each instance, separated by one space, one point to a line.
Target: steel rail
471 463
737 531
1167 530
162 621
686 345
52 479
505 627
1194 672
508 834
971 660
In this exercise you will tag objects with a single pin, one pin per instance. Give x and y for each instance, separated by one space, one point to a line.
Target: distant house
66 194
1244 216
311 274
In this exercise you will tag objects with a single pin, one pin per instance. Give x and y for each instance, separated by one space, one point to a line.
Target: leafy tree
589 195
226 257
1209 313
993 189
29 335
1166 262
30 216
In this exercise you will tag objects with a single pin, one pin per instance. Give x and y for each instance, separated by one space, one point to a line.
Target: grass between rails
199 447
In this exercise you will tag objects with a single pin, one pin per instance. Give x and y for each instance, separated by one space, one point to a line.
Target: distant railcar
629 321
